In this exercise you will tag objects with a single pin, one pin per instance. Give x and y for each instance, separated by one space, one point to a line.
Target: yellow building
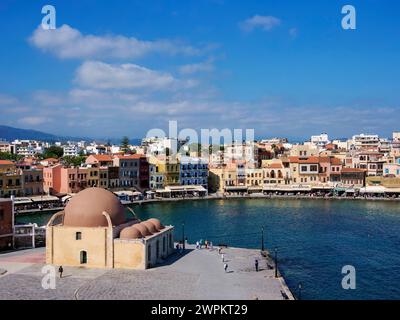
171 172
94 232
93 176
222 177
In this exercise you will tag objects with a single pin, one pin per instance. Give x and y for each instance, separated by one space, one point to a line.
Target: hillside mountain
9 134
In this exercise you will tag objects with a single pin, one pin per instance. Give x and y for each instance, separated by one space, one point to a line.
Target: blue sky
284 68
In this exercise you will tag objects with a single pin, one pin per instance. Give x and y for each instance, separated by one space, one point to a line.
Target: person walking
60 271
226 267
256 264
223 257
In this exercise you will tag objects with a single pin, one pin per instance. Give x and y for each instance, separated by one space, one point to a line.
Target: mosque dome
142 229
157 224
86 209
130 233
150 226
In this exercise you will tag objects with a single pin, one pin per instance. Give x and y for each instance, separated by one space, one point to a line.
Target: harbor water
314 238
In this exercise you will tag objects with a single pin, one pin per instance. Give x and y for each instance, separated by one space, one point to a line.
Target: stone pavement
197 274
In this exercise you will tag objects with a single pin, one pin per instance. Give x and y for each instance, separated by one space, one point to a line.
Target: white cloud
266 23
100 75
197 67
6 100
69 43
33 120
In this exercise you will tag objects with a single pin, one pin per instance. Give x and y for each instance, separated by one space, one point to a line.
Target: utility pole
276 262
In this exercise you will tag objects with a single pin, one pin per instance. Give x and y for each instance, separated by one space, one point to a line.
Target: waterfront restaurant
94 232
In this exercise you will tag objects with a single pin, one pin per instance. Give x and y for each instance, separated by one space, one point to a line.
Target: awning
45 198
375 189
241 188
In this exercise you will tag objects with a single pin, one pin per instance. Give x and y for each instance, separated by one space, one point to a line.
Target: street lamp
276 262
262 239
183 236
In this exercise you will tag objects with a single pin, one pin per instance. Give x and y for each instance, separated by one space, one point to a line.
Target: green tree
73 161
10 156
53 152
124 144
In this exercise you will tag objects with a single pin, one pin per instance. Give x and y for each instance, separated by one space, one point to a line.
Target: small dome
86 209
142 229
150 226
157 224
130 233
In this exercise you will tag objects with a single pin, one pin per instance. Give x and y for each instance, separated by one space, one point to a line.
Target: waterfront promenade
233 196
196 274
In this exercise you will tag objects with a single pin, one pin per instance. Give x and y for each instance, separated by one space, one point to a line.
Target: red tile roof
130 156
304 160
6 162
102 157
275 166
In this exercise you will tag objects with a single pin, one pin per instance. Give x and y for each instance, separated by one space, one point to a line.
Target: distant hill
9 134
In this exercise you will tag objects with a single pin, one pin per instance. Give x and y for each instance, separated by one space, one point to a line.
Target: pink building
62 180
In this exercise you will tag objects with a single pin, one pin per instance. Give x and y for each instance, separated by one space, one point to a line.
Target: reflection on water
315 238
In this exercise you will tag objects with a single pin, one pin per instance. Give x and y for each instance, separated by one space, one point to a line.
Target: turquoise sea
314 238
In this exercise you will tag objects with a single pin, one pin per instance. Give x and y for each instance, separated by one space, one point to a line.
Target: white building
365 141
71 150
320 140
29 148
158 146
241 152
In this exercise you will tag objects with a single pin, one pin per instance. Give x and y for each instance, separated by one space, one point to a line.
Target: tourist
226 267
219 250
61 270
223 257
197 245
206 244
256 264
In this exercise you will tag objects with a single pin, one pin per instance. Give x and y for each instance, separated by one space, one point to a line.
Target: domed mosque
93 231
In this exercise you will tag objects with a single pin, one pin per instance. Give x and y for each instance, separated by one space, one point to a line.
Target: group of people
207 244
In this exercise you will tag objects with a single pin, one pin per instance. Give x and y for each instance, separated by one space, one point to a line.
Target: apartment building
371 161
222 177
365 142
277 172
193 171
133 171
11 184
353 177
59 179
32 180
